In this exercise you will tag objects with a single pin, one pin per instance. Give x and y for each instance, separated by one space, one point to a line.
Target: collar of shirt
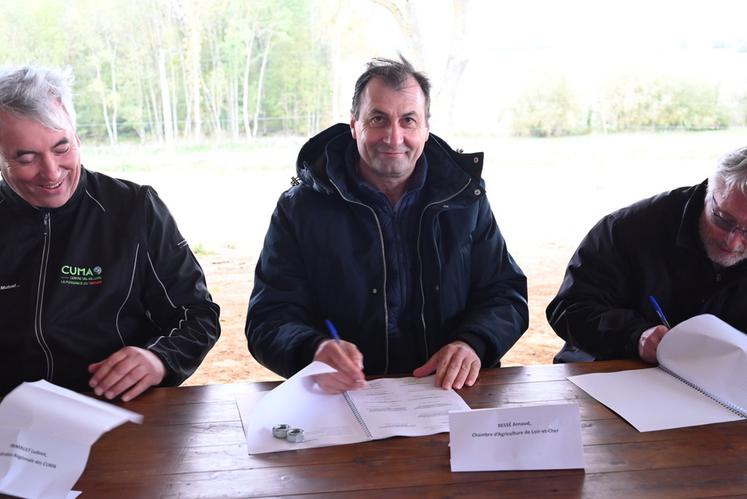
415 183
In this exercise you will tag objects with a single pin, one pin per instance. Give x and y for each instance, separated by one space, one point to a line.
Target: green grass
263 154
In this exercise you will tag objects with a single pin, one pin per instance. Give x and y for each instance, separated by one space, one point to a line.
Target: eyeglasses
724 224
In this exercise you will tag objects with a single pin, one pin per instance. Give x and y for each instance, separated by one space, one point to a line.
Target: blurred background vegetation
168 71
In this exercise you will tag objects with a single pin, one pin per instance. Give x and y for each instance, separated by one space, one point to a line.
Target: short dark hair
394 74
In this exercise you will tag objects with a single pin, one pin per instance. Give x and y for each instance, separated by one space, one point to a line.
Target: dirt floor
230 277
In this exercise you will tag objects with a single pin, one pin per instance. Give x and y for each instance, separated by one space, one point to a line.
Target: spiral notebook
389 407
699 380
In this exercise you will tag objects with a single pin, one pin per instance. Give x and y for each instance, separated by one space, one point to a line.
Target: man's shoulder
655 216
102 181
665 204
114 195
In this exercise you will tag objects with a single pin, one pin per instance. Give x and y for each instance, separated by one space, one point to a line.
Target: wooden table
192 445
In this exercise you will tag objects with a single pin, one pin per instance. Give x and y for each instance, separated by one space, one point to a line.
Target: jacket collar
321 163
688 235
17 203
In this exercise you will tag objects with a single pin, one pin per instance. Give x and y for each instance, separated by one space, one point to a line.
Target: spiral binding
357 415
739 411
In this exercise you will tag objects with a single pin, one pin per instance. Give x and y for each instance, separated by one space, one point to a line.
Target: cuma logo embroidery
81 276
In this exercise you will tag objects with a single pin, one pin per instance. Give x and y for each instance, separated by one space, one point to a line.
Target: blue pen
332 330
659 311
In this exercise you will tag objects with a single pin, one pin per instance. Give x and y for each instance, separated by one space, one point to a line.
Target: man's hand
131 368
649 342
345 357
456 365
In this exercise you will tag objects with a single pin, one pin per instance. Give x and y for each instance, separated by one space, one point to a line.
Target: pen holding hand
343 356
659 311
650 339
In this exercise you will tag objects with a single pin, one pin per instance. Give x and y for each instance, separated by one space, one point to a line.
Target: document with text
698 381
386 408
46 433
536 437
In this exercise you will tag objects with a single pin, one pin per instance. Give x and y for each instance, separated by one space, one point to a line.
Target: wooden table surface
192 445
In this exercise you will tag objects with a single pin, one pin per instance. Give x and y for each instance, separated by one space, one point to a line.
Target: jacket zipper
39 333
420 262
383 259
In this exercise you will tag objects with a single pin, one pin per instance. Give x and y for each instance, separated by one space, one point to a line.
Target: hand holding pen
343 356
650 339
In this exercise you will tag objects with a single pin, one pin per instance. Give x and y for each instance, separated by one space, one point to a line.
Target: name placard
516 438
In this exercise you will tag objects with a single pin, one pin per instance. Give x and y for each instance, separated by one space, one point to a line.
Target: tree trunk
157 127
261 81
406 16
115 97
456 63
168 125
245 86
196 77
174 102
104 105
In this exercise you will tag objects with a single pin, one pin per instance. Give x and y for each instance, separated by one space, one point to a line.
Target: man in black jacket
389 235
98 290
686 248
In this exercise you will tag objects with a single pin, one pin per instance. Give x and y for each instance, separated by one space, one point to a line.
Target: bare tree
406 15
168 124
266 43
249 44
456 63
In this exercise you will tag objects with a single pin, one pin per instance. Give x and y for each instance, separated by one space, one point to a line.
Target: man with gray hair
98 290
683 252
388 235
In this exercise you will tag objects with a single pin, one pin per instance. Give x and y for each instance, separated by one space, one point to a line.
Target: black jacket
650 248
107 269
323 258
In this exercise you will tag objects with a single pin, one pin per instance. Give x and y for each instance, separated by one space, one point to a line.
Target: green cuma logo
81 271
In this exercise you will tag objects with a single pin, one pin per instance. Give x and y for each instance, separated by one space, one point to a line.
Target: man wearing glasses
98 290
686 248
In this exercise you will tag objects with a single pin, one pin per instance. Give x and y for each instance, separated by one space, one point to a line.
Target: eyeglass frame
729 226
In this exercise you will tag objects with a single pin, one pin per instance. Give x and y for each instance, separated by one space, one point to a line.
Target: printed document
386 408
46 433
699 379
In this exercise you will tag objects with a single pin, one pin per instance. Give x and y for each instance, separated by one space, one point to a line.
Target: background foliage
171 70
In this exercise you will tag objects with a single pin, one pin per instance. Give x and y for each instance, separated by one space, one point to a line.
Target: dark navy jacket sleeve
496 314
278 328
176 295
595 309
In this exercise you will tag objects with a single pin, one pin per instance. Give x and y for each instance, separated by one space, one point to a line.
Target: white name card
516 438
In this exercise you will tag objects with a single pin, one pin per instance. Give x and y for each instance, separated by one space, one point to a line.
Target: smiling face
41 164
722 227
390 131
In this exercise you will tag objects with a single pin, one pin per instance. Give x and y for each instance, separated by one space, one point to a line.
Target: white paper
46 433
703 350
709 353
406 407
516 438
388 407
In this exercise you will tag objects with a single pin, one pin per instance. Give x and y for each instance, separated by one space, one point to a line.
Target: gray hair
394 74
37 93
730 173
